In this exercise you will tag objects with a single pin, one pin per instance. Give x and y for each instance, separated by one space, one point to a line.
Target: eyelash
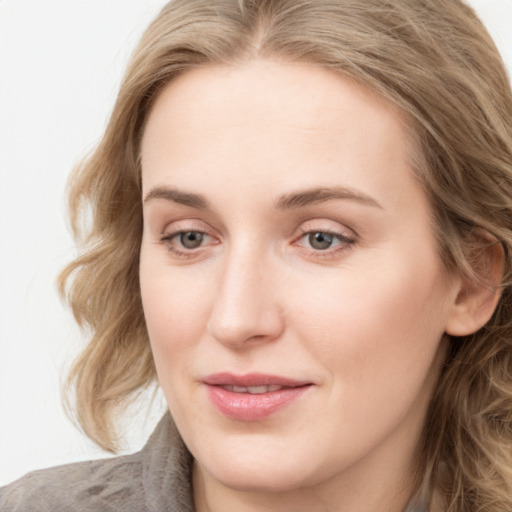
190 253
344 244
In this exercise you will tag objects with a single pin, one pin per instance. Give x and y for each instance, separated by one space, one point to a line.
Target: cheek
375 327
175 308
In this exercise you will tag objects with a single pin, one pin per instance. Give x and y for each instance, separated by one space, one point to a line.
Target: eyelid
327 226
185 224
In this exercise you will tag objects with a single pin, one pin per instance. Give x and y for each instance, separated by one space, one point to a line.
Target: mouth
253 381
252 397
253 390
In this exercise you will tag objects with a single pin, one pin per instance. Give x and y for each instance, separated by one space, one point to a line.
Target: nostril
243 333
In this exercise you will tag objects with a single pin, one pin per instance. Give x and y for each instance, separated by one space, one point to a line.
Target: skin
364 321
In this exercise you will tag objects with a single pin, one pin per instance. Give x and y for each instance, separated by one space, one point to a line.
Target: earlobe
478 295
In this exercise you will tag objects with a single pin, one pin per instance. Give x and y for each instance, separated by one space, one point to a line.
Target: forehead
272 121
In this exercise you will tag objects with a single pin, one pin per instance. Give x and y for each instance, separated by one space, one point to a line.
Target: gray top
156 479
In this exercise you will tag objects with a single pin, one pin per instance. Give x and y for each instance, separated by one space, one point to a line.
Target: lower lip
247 407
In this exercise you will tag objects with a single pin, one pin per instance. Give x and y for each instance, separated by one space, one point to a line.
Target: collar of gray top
166 472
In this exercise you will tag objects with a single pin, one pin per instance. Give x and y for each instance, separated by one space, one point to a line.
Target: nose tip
240 328
245 311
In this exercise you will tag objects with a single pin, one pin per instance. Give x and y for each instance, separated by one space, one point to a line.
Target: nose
246 310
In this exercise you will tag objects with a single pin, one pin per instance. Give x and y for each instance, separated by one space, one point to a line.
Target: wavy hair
434 60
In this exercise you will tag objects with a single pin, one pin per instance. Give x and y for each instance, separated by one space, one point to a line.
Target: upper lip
252 379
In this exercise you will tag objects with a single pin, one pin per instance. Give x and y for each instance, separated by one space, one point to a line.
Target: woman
301 227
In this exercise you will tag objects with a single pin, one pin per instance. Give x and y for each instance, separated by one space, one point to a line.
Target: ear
478 295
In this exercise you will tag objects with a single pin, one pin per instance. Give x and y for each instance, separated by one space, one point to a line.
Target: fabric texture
156 479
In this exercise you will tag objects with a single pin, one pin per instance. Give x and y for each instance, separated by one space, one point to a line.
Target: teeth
256 390
253 390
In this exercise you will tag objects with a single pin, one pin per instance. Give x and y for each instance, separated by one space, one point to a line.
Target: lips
254 396
253 390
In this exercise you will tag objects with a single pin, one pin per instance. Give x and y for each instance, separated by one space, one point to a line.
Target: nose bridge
245 308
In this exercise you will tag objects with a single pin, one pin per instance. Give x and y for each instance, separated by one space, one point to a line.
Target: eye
184 243
320 240
325 241
190 239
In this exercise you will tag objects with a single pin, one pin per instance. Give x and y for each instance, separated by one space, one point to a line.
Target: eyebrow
185 198
317 195
289 201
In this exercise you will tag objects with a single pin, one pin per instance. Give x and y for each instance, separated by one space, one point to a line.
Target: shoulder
108 485
156 479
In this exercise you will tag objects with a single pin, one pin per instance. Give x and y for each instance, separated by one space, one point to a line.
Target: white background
61 62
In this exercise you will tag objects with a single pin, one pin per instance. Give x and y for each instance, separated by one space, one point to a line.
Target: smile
252 397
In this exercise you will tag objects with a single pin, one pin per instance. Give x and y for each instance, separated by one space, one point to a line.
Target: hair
435 61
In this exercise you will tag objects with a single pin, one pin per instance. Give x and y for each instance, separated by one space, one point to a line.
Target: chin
260 468
266 480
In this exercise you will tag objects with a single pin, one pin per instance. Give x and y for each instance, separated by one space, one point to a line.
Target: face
293 294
